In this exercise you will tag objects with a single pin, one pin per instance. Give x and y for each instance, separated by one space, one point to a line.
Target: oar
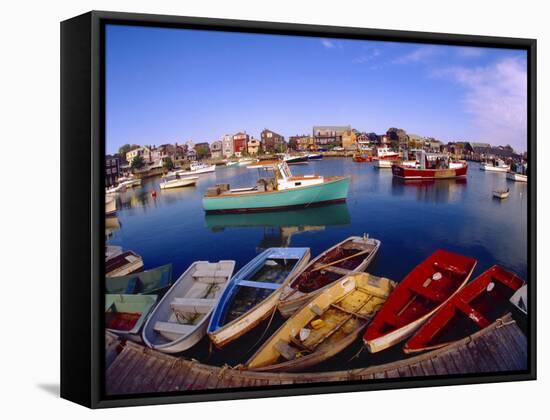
366 251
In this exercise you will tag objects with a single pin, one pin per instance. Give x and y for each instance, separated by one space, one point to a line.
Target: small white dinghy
501 193
180 319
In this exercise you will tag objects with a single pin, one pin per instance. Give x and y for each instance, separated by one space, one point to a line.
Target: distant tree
138 162
202 151
168 164
122 150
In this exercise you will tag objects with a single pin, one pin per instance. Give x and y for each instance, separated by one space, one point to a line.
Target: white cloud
328 43
420 54
496 97
367 57
469 52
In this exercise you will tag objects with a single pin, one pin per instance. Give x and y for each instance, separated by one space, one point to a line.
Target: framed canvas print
255 209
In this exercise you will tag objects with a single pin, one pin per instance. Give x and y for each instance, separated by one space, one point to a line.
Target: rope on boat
265 330
502 323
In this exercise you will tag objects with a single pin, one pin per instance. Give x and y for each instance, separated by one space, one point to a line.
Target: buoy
154 194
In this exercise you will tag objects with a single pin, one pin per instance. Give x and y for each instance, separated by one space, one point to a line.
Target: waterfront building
253 146
272 142
112 169
397 137
240 143
432 145
301 143
228 148
484 151
132 154
349 140
191 155
202 149
216 149
329 135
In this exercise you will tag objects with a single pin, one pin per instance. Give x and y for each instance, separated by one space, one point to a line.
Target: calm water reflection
412 219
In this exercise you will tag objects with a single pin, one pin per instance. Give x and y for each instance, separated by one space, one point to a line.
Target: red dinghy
473 308
422 292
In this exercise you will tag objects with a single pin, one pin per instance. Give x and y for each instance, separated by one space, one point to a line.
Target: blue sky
173 85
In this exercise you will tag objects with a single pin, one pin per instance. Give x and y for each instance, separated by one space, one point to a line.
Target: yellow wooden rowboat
325 326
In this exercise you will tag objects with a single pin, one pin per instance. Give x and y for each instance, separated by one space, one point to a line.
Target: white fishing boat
115 189
129 181
110 205
232 163
514 176
174 180
197 168
497 165
181 318
383 163
246 161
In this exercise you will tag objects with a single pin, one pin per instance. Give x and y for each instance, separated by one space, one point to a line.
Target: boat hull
490 168
222 334
359 293
416 299
179 183
404 172
516 177
331 191
129 304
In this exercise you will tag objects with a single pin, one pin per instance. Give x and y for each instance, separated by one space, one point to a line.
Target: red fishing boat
430 166
417 297
362 158
473 308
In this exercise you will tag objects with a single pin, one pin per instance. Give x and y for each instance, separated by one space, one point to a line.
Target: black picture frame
82 204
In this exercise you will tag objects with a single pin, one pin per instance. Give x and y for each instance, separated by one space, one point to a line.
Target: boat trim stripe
258 284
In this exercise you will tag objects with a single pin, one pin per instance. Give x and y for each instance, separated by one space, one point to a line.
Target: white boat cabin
277 176
425 160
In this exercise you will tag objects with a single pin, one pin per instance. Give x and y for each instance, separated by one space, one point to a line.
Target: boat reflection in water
111 224
280 226
430 190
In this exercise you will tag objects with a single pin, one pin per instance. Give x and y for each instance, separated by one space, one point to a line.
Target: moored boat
495 165
315 156
501 193
383 164
232 163
154 281
294 159
360 158
123 264
246 161
112 251
115 189
129 181
517 172
252 294
384 153
197 168
474 307
514 176
174 180
126 314
180 319
417 297
110 205
351 255
277 189
430 166
325 326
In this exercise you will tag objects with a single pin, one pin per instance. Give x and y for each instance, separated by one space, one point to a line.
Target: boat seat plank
336 270
356 314
286 350
258 284
173 328
201 306
427 293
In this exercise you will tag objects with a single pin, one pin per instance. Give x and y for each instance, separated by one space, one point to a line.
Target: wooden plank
142 375
114 384
404 372
127 381
162 372
212 381
517 343
463 361
416 370
449 364
168 382
393 373
482 363
380 375
499 351
439 367
428 367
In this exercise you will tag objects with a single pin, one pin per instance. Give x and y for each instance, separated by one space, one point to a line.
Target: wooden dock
500 347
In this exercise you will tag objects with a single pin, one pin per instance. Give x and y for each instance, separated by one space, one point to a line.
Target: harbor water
411 218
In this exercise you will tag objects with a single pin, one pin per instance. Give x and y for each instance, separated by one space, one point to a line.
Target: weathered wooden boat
112 251
351 255
325 326
154 281
110 205
252 294
519 299
476 306
123 264
417 297
126 314
501 193
430 166
180 319
174 180
277 189
497 165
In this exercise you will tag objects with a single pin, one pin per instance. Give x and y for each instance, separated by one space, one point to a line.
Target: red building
240 141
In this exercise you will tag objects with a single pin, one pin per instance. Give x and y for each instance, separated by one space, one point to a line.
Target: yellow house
349 140
253 146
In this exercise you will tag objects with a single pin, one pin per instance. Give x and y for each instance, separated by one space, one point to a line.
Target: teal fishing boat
277 188
155 281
